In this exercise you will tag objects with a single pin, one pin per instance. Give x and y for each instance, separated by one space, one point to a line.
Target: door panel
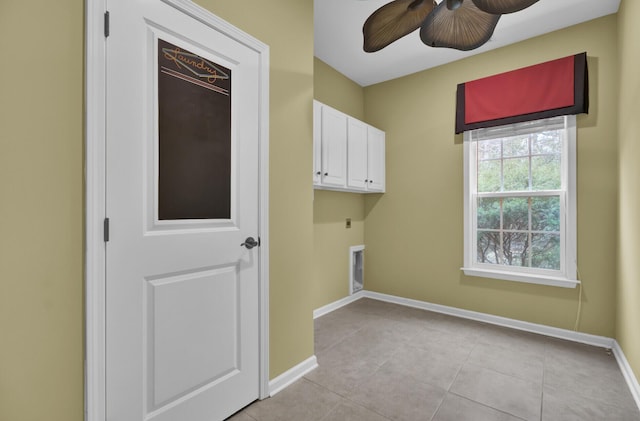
188 316
376 158
317 142
334 148
181 293
357 154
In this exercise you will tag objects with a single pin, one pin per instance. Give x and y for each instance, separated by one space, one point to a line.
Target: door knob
250 243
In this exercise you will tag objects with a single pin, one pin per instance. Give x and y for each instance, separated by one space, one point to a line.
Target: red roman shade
557 87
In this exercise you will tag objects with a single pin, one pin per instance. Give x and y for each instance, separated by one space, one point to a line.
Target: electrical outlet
348 223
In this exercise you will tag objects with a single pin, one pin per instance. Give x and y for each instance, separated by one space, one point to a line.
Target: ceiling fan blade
393 21
464 28
501 7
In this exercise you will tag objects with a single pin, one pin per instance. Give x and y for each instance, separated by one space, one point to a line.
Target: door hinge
106 24
106 229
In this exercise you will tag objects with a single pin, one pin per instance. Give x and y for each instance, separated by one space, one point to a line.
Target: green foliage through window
521 229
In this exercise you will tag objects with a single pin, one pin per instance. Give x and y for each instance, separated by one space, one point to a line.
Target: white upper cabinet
357 155
348 153
333 148
317 147
375 159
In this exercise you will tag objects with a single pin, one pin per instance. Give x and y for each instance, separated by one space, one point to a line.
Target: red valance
557 87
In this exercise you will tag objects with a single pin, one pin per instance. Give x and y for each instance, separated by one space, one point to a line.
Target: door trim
95 190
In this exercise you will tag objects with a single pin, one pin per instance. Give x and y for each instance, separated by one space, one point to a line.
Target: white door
182 297
334 147
376 159
357 154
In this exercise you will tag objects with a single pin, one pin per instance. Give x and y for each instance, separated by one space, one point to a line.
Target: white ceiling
338 36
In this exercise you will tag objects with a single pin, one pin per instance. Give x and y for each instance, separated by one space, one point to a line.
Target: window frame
567 275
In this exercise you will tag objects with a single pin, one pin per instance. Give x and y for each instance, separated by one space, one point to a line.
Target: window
520 202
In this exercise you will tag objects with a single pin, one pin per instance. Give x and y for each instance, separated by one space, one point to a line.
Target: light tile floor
380 361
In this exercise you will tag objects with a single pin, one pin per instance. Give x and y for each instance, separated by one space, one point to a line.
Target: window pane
546 143
546 251
515 249
515 213
489 214
545 172
516 174
488 247
489 149
488 176
516 146
545 213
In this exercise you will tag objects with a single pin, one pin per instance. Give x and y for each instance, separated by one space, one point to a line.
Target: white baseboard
570 335
627 372
337 304
291 375
555 332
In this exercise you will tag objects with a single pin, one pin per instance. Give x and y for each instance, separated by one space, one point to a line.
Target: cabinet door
376 159
356 155
317 142
334 148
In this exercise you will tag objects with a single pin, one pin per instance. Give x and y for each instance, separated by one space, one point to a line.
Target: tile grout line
341 340
544 374
487 406
331 409
345 395
475 345
347 398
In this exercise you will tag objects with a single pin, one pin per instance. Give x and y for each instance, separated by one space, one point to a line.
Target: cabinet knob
326 174
370 181
318 173
366 181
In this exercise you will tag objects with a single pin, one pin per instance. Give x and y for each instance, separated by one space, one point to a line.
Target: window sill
522 277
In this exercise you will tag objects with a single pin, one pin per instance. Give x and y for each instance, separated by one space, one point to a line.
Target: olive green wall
336 90
291 135
414 232
41 210
331 239
628 320
331 242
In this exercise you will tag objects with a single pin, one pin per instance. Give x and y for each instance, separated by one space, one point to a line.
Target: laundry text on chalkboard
193 68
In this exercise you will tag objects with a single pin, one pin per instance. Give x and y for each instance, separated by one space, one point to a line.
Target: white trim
95 77
529 278
585 338
293 374
467 223
263 224
566 277
319 312
571 222
627 372
95 179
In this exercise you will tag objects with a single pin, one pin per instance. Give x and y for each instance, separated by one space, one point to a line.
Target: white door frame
95 179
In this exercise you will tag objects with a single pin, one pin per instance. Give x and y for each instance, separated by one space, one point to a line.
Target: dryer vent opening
356 265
